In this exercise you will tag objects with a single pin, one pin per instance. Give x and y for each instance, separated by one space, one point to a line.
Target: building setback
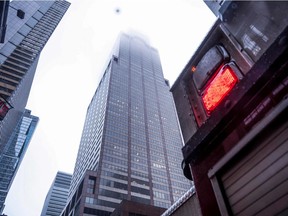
57 196
29 26
130 147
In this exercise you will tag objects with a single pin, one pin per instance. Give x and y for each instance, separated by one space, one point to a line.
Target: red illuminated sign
219 87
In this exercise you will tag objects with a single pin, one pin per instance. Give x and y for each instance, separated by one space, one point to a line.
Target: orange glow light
193 69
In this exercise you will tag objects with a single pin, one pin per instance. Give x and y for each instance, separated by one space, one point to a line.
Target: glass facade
131 137
14 151
57 196
29 26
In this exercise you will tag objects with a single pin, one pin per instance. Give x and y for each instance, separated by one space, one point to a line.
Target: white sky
69 70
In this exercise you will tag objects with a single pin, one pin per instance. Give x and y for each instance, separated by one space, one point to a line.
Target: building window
90 191
89 200
20 14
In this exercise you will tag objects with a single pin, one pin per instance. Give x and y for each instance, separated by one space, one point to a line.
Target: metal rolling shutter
258 184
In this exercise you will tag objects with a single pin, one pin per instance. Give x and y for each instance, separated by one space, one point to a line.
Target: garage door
258 184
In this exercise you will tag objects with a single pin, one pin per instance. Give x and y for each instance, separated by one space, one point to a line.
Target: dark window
20 14
96 212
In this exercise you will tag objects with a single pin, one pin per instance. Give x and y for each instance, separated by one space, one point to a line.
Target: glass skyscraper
57 196
29 26
14 152
131 144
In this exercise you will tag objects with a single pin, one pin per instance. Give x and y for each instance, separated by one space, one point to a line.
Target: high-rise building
14 152
130 147
57 196
29 26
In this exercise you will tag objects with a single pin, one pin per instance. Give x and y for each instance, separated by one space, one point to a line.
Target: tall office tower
14 151
131 145
29 26
57 196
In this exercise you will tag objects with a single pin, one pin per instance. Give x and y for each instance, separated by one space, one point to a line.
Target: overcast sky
69 71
